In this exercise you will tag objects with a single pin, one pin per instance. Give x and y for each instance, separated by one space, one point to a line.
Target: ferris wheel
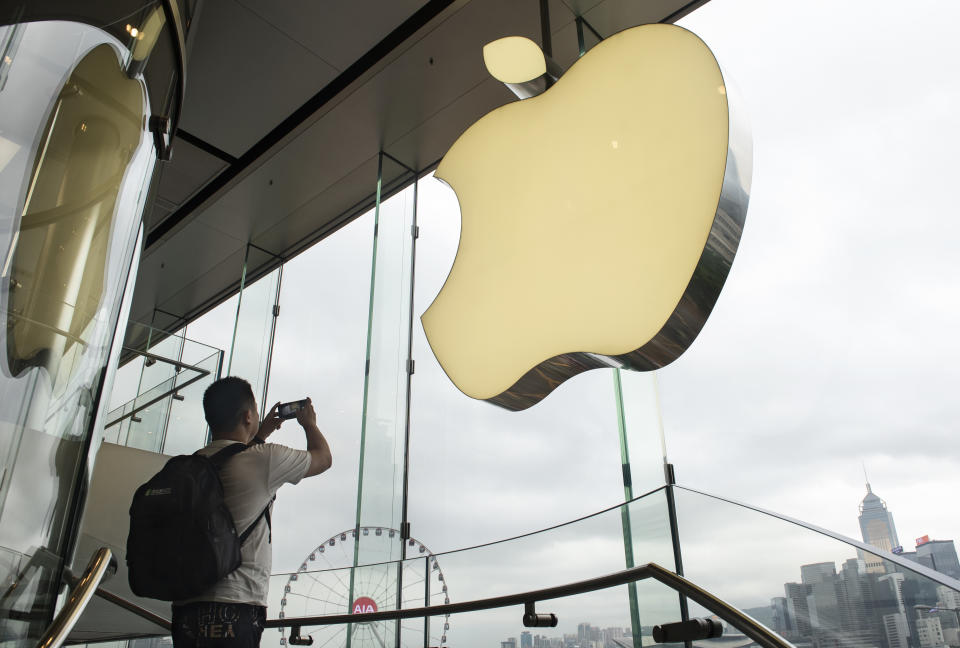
322 586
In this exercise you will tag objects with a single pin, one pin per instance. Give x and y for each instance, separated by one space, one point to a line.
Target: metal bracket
692 630
276 310
669 475
533 620
159 125
296 640
411 366
404 530
178 397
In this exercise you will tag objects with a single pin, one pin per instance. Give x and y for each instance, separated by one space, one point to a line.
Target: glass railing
590 546
171 373
24 615
812 586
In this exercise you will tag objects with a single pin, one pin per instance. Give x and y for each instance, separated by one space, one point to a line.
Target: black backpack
182 537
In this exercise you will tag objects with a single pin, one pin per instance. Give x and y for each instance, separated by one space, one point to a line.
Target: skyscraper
939 555
877 528
798 610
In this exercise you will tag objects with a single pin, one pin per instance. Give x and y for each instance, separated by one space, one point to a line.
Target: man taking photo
232 612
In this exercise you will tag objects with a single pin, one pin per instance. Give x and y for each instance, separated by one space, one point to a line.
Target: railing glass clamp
692 630
533 620
296 640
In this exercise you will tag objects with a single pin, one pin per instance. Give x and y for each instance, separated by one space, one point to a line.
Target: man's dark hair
224 402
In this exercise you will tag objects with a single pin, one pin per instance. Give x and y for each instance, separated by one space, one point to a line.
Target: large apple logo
599 220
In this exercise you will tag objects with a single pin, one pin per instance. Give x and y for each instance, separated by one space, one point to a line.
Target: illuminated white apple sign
599 220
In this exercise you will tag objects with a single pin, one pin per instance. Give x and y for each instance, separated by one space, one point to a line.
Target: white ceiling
252 64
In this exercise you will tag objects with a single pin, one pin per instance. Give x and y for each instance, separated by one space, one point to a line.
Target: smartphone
289 410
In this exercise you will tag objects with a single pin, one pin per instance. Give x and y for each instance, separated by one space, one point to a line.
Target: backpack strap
265 513
220 458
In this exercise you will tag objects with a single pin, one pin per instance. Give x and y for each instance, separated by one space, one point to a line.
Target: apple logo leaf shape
599 220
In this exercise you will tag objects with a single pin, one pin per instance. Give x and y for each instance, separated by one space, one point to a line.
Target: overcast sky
834 344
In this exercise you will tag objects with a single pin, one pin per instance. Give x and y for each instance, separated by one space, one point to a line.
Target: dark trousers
217 625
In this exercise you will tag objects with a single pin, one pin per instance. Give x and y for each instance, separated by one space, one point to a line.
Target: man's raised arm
320 457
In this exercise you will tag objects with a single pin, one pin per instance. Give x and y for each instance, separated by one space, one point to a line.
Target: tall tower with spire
877 528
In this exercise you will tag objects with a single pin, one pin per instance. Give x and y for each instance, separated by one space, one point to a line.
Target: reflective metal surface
134 608
750 627
537 86
57 633
697 301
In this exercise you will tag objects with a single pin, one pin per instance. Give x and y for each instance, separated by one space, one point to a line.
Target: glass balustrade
813 587
578 550
166 413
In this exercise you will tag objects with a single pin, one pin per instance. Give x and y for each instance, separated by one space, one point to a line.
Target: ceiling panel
413 104
189 170
206 287
244 76
351 132
190 253
322 211
337 32
612 16
154 214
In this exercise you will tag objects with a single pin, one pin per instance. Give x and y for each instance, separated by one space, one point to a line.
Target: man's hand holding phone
306 415
270 424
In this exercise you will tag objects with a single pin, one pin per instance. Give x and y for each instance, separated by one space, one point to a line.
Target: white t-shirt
250 479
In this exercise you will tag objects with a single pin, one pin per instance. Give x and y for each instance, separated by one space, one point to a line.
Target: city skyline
869 602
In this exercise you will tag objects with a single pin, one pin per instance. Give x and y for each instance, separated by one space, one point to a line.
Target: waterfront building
876 528
939 555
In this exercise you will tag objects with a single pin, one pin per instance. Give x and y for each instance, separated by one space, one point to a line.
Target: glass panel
250 352
811 588
168 416
214 329
479 472
596 619
164 345
324 289
147 425
382 459
146 429
127 382
74 167
644 429
187 427
579 550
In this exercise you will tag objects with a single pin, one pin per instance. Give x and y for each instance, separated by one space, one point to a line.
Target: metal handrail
57 633
180 367
744 623
129 606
